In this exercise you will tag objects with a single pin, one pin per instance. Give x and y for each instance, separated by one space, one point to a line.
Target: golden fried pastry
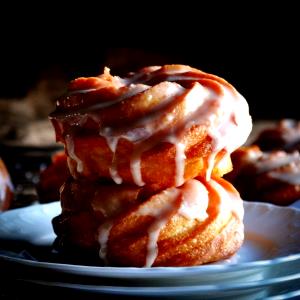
6 188
157 127
197 223
283 136
135 146
266 176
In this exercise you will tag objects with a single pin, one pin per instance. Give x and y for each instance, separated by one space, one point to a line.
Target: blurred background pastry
284 135
272 176
6 188
52 178
27 141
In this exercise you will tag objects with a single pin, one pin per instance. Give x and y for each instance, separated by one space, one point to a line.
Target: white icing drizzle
129 91
210 165
161 215
136 170
103 236
276 164
113 171
269 161
180 164
230 125
133 90
226 117
3 185
292 178
110 205
143 129
193 197
190 201
153 235
222 111
112 142
71 152
252 155
161 121
179 159
288 173
290 130
194 200
229 201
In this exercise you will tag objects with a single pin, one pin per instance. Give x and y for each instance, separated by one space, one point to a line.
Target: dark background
259 56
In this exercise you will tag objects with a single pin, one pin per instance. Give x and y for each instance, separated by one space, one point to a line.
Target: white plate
31 224
271 249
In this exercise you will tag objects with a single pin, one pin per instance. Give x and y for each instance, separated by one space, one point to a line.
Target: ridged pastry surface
125 129
196 223
145 154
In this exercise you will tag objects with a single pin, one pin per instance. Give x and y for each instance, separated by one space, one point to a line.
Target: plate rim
172 290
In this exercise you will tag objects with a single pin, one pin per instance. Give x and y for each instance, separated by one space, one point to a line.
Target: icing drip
132 90
4 182
229 200
179 159
289 173
290 130
193 197
290 178
103 235
161 216
274 160
112 143
194 200
153 235
71 152
210 165
180 163
144 129
189 201
135 168
171 110
279 165
113 171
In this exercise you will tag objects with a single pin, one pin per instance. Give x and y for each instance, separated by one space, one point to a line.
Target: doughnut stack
146 154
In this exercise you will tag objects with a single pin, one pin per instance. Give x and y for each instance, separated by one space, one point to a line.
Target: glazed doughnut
283 136
157 127
6 188
266 176
197 223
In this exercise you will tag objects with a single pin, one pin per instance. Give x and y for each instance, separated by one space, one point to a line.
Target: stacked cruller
146 154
